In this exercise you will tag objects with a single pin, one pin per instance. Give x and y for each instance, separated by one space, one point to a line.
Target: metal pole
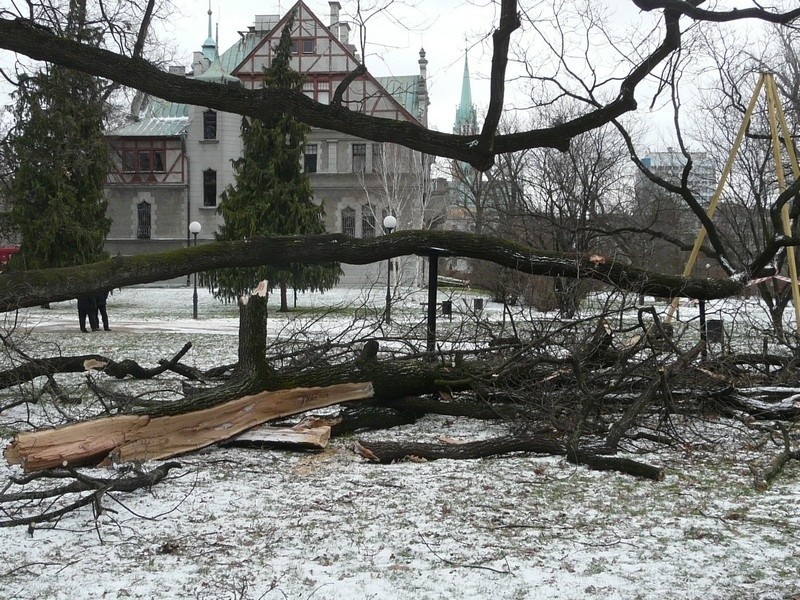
389 223
703 330
388 311
194 299
433 276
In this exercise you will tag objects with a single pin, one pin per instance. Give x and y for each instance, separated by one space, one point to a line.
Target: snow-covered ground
235 523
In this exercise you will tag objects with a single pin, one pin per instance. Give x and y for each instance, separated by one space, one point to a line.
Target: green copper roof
156 107
153 127
234 55
404 89
217 74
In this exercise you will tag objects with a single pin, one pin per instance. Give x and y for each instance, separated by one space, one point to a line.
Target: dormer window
209 125
306 45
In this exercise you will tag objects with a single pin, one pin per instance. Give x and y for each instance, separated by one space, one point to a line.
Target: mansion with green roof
173 161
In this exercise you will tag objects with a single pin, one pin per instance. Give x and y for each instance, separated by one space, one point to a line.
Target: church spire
466 118
209 46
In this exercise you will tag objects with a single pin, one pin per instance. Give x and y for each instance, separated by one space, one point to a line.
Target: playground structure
778 129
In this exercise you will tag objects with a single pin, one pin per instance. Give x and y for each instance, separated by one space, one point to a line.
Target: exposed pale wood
297 436
127 438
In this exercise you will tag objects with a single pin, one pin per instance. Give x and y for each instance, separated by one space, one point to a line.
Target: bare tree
400 184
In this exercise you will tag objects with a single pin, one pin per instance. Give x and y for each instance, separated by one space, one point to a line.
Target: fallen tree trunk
387 452
125 438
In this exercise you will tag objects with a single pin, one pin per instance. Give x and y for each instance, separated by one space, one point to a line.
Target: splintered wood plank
127 438
298 436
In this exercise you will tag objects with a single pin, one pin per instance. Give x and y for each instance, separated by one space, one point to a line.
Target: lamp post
389 223
194 229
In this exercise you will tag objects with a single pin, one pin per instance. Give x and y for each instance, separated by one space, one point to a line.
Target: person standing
87 308
100 300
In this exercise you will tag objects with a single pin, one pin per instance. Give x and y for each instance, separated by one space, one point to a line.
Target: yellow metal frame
777 121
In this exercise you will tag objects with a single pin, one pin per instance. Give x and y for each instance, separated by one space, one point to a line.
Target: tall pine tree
271 195
59 161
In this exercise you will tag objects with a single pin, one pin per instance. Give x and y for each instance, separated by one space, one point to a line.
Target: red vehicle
6 252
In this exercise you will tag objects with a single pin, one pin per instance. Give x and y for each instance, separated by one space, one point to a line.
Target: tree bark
387 452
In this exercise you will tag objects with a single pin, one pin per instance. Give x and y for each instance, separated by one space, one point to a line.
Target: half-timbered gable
324 58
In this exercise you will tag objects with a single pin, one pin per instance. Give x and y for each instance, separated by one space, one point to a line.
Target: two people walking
89 307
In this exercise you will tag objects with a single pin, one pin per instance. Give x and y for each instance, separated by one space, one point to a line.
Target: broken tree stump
125 438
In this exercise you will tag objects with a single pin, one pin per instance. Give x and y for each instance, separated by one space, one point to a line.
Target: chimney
177 70
198 63
335 8
344 33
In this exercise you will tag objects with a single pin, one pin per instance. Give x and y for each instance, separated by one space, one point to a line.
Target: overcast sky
394 38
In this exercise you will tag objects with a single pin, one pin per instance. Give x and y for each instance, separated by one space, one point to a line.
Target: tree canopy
59 160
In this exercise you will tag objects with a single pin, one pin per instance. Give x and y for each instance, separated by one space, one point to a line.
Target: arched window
210 187
349 221
143 221
209 125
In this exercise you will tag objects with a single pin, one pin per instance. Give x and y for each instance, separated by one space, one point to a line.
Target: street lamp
389 223
194 229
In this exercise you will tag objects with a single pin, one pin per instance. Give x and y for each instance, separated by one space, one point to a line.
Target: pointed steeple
212 70
209 46
466 118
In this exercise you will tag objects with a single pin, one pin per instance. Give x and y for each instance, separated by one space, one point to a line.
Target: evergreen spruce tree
271 195
59 161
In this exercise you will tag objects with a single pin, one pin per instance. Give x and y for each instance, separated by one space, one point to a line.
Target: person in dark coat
100 300
87 308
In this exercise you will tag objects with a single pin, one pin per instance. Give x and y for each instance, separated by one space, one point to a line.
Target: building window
349 221
143 221
377 158
129 163
324 92
359 158
306 44
310 158
209 125
144 161
318 90
209 188
367 221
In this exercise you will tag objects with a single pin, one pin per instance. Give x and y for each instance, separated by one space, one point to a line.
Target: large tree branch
693 11
509 22
37 42
33 288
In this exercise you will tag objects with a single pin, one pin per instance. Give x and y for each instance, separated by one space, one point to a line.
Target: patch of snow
236 523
